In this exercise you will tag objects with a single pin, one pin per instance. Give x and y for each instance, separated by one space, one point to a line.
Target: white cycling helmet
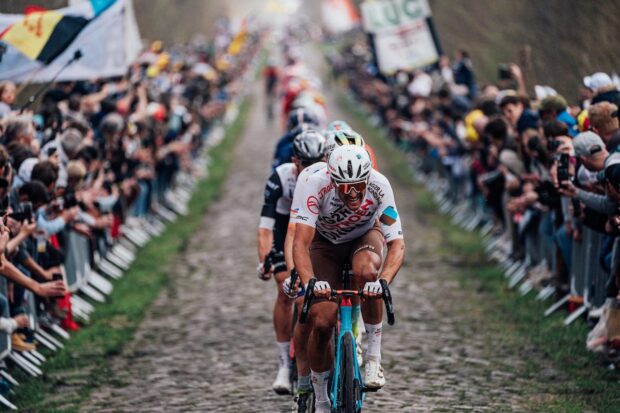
337 138
348 164
309 146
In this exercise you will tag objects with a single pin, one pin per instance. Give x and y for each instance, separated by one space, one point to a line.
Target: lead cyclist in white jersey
344 212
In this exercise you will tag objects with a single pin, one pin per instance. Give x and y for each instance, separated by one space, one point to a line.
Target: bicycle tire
293 361
348 399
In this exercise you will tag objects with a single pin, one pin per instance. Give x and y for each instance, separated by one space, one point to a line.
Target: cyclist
348 135
338 133
270 74
344 212
298 121
308 148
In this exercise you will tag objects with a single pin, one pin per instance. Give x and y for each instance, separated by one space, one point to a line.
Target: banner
108 43
402 33
339 15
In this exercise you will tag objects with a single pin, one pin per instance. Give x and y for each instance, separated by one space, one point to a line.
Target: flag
108 44
44 34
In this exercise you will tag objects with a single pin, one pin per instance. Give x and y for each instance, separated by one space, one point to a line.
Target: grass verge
71 374
582 383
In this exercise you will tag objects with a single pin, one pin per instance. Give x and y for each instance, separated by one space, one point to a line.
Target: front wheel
349 386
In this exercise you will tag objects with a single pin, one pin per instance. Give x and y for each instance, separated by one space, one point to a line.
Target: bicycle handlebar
385 295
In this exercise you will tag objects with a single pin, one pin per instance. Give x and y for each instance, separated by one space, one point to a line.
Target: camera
69 200
553 145
563 168
23 212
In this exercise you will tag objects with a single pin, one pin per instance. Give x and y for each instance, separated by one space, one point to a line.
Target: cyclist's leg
327 262
323 315
366 263
283 306
300 337
282 311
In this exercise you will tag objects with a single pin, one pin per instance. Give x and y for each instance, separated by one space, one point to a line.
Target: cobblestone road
207 345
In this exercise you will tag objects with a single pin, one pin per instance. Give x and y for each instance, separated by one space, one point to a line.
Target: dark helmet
309 146
298 116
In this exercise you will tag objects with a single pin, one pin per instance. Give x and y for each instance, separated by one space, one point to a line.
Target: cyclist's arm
304 221
391 228
301 252
393 260
288 245
273 192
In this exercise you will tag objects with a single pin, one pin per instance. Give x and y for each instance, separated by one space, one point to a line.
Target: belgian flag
42 35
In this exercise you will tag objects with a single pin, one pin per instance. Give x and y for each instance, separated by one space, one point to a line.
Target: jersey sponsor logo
312 203
376 191
301 218
343 221
325 190
389 216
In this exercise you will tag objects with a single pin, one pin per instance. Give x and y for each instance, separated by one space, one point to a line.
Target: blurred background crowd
96 159
539 174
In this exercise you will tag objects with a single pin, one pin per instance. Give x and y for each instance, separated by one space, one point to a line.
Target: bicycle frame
346 329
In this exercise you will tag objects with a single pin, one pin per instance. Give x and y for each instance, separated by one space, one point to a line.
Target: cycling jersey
317 204
278 194
279 191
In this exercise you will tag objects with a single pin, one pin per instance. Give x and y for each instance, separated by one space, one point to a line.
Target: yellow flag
32 33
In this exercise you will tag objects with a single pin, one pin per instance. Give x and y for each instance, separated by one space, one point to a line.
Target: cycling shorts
328 259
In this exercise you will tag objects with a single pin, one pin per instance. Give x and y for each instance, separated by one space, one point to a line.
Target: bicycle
347 390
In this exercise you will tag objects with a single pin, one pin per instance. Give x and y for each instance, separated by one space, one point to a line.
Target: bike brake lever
387 299
307 301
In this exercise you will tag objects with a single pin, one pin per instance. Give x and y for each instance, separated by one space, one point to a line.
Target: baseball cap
587 144
597 80
556 103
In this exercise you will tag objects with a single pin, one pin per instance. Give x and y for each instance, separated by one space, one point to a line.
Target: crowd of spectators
97 157
544 172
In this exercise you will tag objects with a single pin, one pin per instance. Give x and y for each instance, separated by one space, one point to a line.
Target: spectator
603 88
464 73
7 97
555 107
518 113
604 121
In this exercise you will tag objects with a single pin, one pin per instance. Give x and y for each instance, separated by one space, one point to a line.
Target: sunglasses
346 188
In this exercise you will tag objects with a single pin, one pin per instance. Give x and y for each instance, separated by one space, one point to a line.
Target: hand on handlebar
290 290
373 289
322 289
262 273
